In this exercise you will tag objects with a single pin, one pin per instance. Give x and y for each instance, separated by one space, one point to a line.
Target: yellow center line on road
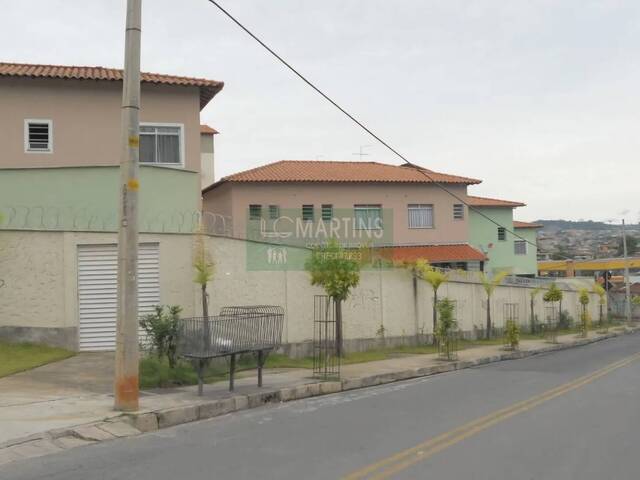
389 466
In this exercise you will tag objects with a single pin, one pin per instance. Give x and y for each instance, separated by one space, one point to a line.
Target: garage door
97 290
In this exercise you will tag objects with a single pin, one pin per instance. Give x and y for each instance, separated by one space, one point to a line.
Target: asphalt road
544 417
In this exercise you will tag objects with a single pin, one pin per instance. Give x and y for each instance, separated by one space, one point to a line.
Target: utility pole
627 285
126 381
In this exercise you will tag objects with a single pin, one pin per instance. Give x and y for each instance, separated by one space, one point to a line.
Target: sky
537 98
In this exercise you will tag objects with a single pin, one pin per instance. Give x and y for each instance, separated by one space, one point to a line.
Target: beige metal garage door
97 288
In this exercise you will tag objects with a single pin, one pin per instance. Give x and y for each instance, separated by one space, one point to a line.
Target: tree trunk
600 316
488 333
338 306
435 315
205 315
533 316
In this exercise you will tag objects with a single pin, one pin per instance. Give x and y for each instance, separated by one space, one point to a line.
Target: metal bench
236 330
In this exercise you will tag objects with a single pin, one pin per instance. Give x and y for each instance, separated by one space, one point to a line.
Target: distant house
60 139
397 208
505 251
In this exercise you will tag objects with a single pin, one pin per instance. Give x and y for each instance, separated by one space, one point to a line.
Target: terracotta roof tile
208 88
432 253
492 202
334 171
206 129
518 224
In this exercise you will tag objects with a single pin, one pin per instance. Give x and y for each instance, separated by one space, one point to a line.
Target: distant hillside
577 225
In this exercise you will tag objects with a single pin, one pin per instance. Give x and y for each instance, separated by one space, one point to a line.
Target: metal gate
97 291
326 363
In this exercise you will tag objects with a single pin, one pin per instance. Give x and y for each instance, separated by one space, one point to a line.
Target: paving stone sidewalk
51 409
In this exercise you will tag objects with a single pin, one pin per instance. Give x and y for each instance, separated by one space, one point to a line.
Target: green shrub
553 294
585 318
446 327
156 373
161 328
565 320
512 333
446 324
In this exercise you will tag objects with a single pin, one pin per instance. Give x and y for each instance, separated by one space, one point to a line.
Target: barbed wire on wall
30 217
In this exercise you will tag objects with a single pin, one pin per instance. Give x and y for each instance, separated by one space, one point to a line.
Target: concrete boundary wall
39 298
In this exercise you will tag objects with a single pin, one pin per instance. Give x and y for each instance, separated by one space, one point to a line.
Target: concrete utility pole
627 285
126 381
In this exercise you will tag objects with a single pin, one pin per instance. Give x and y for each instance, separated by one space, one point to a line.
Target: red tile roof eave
207 130
208 88
486 202
518 224
434 253
227 180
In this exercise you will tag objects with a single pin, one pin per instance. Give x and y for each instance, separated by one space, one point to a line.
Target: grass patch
155 373
18 357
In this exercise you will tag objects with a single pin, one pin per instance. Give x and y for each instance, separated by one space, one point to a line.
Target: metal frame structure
236 330
550 327
509 314
448 347
326 362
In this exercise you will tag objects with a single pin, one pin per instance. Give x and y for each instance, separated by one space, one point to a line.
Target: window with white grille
502 234
38 136
458 211
420 215
520 247
161 144
368 217
255 212
274 212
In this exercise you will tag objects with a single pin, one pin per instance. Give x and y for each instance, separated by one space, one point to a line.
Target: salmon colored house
399 208
60 138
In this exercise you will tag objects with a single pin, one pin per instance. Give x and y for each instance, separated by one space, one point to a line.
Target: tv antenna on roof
361 153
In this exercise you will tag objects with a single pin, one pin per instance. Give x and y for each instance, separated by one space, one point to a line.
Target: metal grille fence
326 363
236 330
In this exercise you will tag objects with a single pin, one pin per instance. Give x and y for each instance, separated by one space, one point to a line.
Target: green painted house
505 251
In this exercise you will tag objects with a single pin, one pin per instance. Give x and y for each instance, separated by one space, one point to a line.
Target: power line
364 127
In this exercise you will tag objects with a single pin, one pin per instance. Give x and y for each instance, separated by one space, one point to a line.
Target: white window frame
359 207
181 144
49 122
515 242
417 206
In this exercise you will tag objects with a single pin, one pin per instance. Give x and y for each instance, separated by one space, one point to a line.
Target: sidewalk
56 407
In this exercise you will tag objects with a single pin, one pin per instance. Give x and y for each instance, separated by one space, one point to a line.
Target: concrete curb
127 425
